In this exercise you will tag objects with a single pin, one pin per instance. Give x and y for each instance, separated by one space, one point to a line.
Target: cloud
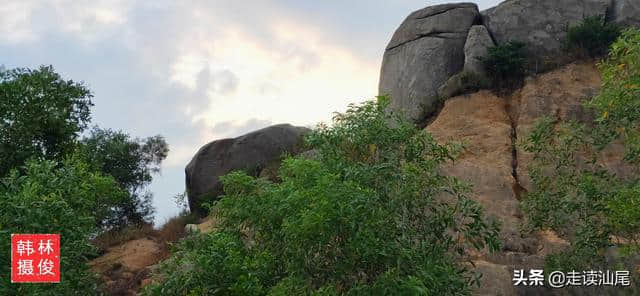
14 22
28 21
232 129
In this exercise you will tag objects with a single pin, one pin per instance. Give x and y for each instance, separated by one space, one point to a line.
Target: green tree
131 162
371 216
48 197
574 194
41 115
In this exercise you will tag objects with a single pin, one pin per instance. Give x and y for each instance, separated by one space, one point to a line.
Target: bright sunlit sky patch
197 71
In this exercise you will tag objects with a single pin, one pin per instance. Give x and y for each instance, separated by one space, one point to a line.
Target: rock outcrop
541 25
483 123
424 52
558 94
475 48
251 152
473 75
434 53
496 166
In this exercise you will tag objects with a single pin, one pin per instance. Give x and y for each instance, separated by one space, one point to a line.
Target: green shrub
216 263
576 196
506 64
63 198
372 215
618 104
592 37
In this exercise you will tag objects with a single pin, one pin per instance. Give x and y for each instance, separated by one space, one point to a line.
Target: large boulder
251 152
423 53
626 12
541 24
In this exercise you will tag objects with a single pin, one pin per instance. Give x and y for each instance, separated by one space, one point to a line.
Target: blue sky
197 71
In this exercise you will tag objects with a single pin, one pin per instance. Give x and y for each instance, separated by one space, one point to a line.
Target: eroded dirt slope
491 128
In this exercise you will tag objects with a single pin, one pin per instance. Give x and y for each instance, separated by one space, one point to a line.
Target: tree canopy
41 115
131 162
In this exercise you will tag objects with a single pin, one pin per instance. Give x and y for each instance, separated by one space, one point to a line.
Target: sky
197 71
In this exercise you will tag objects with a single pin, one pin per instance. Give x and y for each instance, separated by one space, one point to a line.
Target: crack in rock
441 35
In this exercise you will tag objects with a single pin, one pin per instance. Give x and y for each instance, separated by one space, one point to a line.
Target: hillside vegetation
373 214
371 211
370 215
52 180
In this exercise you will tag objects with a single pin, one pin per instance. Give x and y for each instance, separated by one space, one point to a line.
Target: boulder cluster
436 46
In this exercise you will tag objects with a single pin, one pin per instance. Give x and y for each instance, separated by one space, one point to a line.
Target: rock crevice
444 10
443 35
513 112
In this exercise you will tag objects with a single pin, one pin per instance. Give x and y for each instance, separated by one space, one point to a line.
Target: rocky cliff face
541 25
421 67
493 163
422 63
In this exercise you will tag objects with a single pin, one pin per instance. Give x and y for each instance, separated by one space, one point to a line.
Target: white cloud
28 21
15 23
296 71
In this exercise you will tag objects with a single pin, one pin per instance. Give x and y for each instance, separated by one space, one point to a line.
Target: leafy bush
506 64
619 101
569 199
592 37
64 198
586 203
371 215
217 263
